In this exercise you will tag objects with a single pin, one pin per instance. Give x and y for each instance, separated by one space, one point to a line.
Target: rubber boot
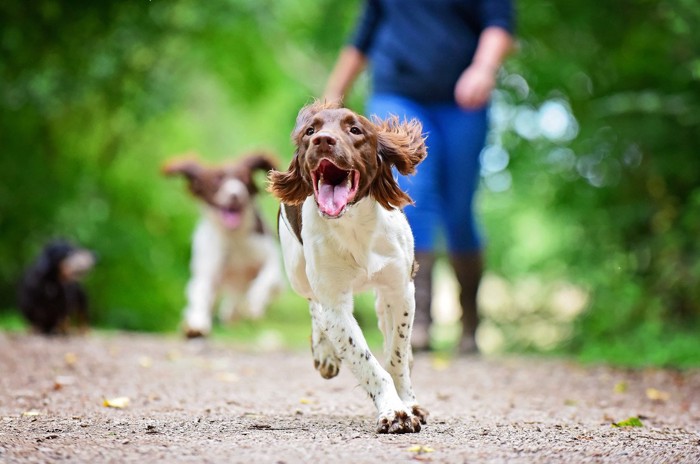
468 268
420 336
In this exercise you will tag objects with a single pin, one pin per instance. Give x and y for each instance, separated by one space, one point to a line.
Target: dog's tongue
332 199
231 219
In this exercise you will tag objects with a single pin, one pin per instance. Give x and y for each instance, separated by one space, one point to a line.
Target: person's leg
424 215
420 336
464 135
468 269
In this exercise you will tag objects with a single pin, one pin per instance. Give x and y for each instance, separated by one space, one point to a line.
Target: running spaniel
342 231
235 258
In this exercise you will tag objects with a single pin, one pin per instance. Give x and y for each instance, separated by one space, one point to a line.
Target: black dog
50 293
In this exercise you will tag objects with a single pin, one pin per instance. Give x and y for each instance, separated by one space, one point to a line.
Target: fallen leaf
620 387
440 363
229 377
657 395
120 402
442 396
145 362
62 380
420 449
631 422
305 401
70 359
31 413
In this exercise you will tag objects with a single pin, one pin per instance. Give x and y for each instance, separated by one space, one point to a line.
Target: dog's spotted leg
398 310
340 327
326 361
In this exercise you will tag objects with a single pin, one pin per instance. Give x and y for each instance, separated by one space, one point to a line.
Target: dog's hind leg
326 361
268 284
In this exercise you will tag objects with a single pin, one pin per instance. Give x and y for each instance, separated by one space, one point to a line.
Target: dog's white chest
358 249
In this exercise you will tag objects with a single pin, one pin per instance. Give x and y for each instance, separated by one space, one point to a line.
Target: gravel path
217 402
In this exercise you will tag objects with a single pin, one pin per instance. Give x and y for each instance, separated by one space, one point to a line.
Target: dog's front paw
398 422
191 333
326 362
420 413
328 366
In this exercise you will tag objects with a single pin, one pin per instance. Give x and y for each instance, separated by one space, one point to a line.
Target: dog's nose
324 140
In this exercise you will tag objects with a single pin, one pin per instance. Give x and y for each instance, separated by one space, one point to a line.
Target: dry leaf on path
631 422
420 449
657 395
119 403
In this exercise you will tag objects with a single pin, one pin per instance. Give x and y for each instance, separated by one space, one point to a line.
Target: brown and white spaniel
342 231
235 258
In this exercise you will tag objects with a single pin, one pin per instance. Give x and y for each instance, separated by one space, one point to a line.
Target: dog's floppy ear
399 144
290 187
251 163
259 161
186 165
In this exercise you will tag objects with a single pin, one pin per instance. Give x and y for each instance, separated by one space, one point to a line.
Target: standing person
435 60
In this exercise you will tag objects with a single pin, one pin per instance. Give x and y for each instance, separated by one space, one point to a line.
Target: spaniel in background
342 231
50 294
235 259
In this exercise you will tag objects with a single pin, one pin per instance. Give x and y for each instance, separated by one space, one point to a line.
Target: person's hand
474 86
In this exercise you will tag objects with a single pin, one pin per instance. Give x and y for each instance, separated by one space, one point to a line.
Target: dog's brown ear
399 144
290 186
187 165
259 161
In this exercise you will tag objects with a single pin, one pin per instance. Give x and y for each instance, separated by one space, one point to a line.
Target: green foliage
619 202
94 96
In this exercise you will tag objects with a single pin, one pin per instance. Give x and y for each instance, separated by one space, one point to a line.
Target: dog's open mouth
334 187
231 216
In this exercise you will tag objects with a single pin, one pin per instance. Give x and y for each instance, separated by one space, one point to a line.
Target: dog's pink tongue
231 219
333 198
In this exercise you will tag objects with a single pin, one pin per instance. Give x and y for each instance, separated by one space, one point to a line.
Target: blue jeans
445 182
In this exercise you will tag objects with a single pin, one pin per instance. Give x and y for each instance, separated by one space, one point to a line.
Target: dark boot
468 269
420 337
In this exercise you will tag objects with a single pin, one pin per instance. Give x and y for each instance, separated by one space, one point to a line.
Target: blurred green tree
598 117
624 186
95 95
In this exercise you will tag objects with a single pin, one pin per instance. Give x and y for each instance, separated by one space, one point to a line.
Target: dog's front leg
205 268
326 361
396 306
341 329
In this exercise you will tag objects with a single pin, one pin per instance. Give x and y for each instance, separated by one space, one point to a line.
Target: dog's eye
355 130
310 131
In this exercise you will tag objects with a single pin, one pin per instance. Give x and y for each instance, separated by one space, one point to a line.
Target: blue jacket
419 48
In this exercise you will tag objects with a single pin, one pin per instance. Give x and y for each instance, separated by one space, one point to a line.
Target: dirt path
213 402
